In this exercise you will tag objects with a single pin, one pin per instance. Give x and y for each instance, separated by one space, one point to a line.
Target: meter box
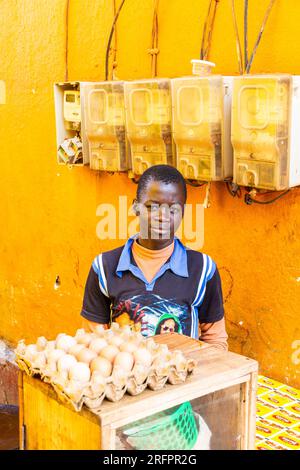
148 123
71 147
104 125
266 131
201 126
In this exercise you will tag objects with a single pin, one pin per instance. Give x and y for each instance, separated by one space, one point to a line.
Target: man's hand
90 326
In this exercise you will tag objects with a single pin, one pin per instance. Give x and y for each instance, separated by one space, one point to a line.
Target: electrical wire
237 37
208 25
267 14
249 200
110 38
114 63
67 41
245 33
154 51
233 189
194 183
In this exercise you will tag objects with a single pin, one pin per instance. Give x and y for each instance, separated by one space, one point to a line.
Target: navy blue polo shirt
185 291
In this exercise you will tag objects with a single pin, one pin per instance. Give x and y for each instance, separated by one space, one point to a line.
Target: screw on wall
57 283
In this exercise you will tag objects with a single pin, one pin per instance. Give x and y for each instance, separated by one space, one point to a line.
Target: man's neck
151 244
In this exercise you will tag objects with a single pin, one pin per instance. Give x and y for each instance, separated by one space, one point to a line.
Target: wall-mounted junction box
266 131
104 125
71 146
148 123
201 126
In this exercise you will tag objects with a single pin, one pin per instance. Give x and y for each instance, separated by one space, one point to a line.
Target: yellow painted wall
48 212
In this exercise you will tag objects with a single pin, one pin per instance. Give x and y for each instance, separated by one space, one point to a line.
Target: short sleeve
96 305
212 309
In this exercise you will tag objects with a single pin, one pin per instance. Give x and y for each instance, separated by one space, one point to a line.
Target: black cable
110 39
247 69
249 200
134 180
233 189
245 34
195 184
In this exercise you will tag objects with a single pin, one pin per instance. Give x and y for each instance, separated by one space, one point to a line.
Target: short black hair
163 173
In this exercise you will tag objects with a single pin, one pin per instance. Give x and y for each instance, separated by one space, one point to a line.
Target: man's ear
135 207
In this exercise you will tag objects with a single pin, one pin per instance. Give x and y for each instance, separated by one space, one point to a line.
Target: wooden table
222 388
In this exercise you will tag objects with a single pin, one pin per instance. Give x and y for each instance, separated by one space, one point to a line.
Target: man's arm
215 334
211 314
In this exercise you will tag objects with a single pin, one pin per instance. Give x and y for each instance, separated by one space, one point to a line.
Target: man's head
161 196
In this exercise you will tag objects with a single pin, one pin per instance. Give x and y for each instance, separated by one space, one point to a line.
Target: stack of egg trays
155 379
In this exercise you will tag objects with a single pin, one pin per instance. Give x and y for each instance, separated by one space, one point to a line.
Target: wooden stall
221 390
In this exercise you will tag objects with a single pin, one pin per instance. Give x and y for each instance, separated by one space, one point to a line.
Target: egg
65 342
109 352
142 356
40 360
54 355
80 371
129 346
50 346
101 365
98 344
116 340
65 362
31 352
85 339
125 360
75 350
41 343
86 355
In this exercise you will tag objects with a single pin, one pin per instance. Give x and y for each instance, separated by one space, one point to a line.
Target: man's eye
174 210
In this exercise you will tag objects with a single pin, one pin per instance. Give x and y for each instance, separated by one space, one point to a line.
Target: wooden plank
251 411
214 369
182 342
51 425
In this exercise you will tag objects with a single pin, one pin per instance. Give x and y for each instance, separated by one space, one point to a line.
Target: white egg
65 362
101 365
125 360
80 372
65 342
41 343
98 344
31 352
142 356
54 355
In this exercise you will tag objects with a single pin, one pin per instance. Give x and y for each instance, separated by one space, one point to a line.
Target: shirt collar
178 260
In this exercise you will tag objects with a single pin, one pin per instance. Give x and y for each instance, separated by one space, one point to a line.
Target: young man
153 282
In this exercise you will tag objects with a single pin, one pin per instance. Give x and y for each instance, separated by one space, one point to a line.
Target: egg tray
115 388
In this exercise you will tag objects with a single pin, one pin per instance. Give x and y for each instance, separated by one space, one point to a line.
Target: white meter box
148 123
71 146
104 125
201 126
266 131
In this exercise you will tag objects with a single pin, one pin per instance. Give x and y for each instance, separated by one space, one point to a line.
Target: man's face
161 207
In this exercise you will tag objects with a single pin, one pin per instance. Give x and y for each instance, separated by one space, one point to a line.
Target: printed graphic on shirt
152 314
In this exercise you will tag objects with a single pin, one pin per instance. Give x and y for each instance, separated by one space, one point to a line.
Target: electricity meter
148 123
72 106
200 105
71 146
104 125
266 131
